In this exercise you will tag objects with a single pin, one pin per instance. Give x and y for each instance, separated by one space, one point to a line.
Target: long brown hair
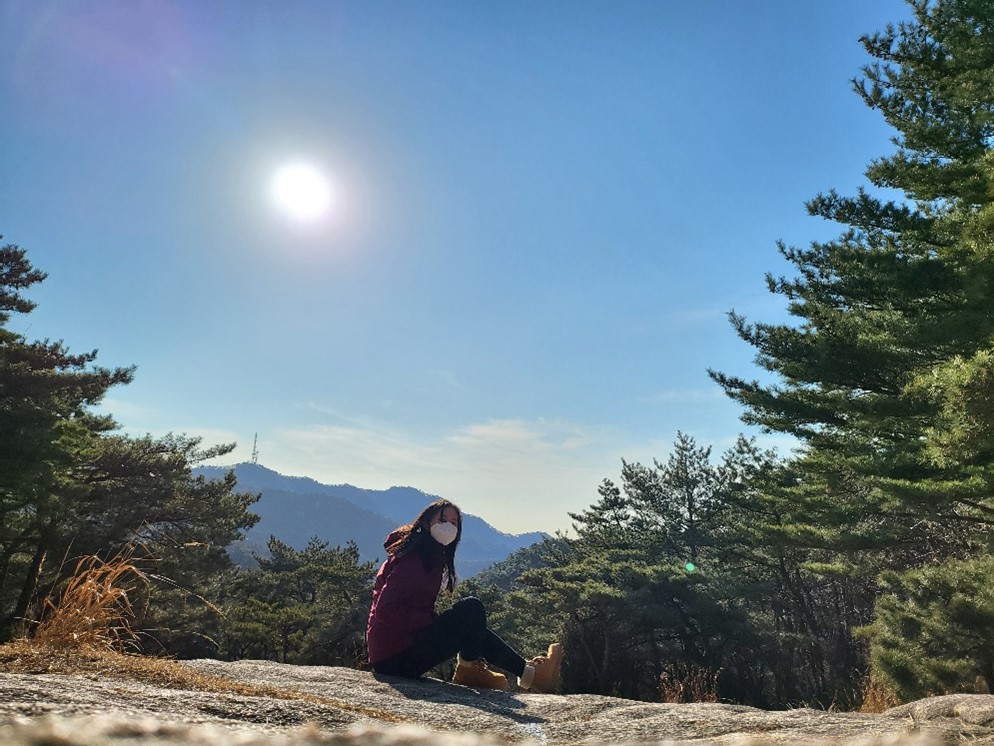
415 537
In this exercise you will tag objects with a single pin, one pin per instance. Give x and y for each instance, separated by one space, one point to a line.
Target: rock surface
346 706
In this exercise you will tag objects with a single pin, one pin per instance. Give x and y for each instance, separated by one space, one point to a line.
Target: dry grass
683 682
95 608
30 657
87 631
877 697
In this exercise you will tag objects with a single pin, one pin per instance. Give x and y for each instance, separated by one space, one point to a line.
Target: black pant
462 629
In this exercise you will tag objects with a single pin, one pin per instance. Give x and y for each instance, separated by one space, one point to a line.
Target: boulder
276 704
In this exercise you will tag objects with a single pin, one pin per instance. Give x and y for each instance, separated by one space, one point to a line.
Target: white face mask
444 533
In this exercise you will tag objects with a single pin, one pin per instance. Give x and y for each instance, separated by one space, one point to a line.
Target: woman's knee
471 609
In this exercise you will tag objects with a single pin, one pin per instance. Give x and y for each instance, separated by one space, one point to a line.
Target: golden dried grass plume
688 682
95 607
877 696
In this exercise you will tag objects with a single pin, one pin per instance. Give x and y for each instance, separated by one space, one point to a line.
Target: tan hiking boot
477 675
546 677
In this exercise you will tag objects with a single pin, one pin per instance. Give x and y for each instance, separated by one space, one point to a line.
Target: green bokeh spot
690 567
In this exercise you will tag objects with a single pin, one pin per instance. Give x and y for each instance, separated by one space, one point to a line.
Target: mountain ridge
295 509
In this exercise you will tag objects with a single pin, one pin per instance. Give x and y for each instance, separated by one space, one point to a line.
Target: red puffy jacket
404 596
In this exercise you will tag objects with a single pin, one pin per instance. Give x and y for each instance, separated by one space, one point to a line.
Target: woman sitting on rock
404 635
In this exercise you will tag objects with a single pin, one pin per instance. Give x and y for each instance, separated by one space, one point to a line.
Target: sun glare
302 191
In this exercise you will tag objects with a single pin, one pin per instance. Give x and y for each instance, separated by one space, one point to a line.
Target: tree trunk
605 664
4 568
29 587
987 671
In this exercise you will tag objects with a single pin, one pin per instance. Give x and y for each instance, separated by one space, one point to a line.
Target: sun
302 191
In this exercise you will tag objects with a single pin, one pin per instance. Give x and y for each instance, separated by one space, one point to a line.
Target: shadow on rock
493 701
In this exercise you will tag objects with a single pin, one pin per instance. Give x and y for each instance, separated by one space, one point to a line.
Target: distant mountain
296 509
504 574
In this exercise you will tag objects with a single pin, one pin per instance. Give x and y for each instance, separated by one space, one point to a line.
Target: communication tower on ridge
255 449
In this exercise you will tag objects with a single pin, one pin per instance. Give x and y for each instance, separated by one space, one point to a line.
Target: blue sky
541 213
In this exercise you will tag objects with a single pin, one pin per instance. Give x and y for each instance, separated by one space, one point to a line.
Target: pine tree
933 630
70 486
886 377
304 606
45 393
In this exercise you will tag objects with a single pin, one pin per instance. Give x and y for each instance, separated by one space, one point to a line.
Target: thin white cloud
372 451
520 475
520 436
122 410
209 437
448 378
321 409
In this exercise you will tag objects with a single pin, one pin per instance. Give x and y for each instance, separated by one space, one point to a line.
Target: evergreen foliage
70 486
895 326
885 376
933 631
307 606
661 578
